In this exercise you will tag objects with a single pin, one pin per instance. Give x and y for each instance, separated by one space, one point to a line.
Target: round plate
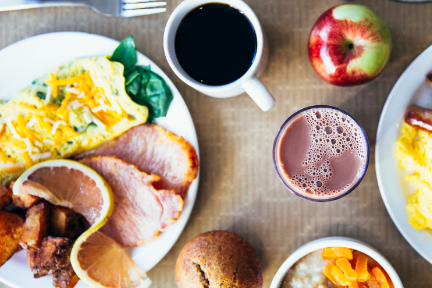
411 88
28 59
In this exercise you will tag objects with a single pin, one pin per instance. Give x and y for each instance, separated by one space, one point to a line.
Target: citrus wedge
69 184
100 262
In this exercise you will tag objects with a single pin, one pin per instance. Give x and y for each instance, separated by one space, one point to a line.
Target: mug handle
259 93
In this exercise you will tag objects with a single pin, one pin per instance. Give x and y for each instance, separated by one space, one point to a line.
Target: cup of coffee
321 153
218 48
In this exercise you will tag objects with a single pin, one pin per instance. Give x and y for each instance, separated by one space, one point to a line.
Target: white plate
28 59
411 88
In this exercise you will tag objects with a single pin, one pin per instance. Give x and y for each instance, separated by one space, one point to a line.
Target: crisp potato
25 201
65 278
53 255
35 227
10 232
66 223
11 184
5 196
31 257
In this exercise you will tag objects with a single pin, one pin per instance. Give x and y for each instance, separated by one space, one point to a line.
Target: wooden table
239 189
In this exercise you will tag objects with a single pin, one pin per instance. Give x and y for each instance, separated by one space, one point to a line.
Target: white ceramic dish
335 242
411 88
28 59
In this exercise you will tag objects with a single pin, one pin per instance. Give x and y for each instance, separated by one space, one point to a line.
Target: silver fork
117 8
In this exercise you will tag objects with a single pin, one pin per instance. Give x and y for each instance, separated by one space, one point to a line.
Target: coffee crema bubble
322 152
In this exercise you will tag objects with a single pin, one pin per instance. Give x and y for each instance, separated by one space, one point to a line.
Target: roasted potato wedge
31 257
65 278
5 197
53 255
25 201
35 227
10 232
66 223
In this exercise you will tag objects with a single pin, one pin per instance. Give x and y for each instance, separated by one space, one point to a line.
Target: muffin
218 259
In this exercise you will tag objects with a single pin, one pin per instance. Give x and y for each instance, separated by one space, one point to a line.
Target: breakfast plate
411 88
28 59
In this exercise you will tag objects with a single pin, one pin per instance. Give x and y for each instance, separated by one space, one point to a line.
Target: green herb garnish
143 85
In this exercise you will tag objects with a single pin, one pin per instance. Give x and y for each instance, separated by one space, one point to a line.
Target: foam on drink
321 152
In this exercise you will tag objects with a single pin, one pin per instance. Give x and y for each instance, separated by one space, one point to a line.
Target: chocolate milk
321 153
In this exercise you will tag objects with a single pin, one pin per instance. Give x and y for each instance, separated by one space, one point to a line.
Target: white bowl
335 242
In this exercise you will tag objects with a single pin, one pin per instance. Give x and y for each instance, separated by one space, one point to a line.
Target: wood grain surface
239 189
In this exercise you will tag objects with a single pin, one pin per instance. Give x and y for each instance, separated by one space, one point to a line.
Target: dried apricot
345 266
380 277
372 282
361 268
337 252
328 273
340 276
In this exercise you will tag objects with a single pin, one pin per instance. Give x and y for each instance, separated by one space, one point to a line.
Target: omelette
63 113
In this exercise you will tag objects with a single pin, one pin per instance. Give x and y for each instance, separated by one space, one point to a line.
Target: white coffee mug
249 82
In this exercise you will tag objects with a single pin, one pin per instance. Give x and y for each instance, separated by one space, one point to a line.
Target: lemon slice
100 262
69 184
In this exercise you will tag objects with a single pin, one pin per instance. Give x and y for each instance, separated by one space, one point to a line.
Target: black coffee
215 44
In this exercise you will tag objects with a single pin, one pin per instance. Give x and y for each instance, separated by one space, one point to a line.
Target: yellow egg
414 153
63 113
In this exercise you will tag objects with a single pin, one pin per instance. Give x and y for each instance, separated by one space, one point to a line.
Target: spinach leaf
40 95
153 93
125 53
143 85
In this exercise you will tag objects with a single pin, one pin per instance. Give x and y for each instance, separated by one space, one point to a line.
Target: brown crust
10 232
218 259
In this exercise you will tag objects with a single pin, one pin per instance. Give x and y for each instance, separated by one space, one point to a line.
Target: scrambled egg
414 153
64 113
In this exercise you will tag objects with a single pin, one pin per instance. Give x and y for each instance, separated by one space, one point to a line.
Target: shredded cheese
13 131
30 110
30 123
8 119
76 104
124 119
49 120
10 167
86 115
81 95
56 126
103 107
72 90
48 95
39 144
72 115
29 145
48 141
94 78
40 156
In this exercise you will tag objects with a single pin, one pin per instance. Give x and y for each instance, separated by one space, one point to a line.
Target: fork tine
140 12
138 1
143 5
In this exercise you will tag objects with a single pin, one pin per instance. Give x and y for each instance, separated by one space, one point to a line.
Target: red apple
349 45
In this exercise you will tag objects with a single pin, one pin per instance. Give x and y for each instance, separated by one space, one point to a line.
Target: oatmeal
308 273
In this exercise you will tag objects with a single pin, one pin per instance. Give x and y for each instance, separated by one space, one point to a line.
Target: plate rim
194 142
379 173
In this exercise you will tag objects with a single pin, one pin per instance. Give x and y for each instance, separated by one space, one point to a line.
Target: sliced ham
140 210
155 150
